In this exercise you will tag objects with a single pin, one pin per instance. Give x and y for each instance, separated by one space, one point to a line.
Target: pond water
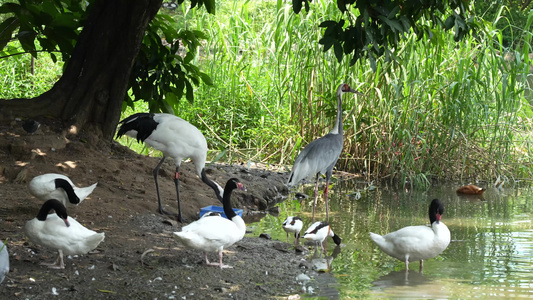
490 255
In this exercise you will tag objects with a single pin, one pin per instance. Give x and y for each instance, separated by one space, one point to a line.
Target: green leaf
6 30
189 95
337 47
205 78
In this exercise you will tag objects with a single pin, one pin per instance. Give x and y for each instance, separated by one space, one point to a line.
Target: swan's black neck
436 207
226 201
54 204
215 186
65 185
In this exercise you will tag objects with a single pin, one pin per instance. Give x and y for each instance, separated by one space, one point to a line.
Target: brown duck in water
470 190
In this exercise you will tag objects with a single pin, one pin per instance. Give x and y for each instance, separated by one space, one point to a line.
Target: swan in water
414 243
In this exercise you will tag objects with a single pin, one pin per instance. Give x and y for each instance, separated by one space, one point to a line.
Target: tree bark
90 93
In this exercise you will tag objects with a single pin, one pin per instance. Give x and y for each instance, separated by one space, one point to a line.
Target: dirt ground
124 207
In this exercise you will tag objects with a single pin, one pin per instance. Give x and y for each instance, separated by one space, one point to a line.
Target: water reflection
491 253
400 284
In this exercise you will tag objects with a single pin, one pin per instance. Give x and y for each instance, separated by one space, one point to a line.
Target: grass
441 110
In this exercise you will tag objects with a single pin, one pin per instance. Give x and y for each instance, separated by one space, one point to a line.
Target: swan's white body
293 225
44 188
4 262
54 233
414 243
213 232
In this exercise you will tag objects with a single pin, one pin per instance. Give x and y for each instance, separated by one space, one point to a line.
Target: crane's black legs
156 172
177 183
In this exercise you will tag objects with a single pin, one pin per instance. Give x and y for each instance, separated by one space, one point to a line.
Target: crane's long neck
337 129
219 192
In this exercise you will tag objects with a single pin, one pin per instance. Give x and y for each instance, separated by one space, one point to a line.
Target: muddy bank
123 206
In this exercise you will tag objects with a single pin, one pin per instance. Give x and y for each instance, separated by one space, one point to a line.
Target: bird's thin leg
316 196
177 183
58 263
206 260
323 250
296 239
156 173
407 264
326 189
421 266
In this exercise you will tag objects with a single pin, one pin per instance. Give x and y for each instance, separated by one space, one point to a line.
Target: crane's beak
356 92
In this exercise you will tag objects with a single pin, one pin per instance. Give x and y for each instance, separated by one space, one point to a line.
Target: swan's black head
57 206
234 183
436 209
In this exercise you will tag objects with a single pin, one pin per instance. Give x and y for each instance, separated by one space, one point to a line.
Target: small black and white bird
60 187
61 232
318 232
321 155
4 261
211 233
293 225
414 243
30 126
174 137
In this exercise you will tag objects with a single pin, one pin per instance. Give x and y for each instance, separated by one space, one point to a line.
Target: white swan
414 243
215 232
60 187
58 231
293 225
318 232
4 261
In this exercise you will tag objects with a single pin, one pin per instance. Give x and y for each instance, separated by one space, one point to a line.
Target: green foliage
442 109
371 30
510 17
18 81
163 71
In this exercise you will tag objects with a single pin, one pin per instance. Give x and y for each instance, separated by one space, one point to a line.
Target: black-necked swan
4 261
215 232
318 232
60 187
61 232
414 243
293 225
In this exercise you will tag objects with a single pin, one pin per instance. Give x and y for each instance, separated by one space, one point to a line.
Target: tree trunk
90 93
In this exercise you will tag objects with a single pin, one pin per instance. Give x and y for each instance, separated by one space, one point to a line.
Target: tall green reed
441 110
